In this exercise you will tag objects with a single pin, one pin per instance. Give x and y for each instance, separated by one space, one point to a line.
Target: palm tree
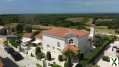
69 54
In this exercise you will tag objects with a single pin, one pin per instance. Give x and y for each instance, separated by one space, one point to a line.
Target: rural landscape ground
59 40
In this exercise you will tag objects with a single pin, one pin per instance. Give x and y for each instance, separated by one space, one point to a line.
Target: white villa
58 38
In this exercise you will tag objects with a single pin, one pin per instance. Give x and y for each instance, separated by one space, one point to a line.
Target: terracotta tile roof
29 35
62 32
72 48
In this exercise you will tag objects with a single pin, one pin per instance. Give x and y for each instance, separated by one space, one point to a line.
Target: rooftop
29 35
62 32
72 48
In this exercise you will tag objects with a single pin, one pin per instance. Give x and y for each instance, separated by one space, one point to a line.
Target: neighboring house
37 39
27 37
3 30
13 37
59 38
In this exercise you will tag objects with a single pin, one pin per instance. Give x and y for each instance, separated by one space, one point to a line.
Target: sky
58 6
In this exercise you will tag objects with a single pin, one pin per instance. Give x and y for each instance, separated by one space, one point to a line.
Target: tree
80 56
69 55
39 53
60 57
49 56
55 65
28 28
19 28
3 31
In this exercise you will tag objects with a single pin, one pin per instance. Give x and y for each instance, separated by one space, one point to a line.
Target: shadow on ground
8 63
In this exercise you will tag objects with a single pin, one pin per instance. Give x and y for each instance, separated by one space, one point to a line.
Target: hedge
55 65
106 58
14 43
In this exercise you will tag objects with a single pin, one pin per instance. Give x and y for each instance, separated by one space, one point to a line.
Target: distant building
27 37
37 39
3 30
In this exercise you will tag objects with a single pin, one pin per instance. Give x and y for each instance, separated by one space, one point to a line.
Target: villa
59 38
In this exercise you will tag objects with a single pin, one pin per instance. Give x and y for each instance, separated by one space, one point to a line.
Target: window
53 48
48 45
71 41
58 44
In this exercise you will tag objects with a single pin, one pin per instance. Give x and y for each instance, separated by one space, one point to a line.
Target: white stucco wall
52 42
83 43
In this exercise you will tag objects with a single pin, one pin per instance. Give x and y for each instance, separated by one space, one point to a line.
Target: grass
38 65
104 29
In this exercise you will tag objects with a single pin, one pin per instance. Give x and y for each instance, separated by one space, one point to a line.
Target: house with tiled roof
38 38
59 38
26 38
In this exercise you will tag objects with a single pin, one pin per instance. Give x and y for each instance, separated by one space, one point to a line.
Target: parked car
17 56
9 49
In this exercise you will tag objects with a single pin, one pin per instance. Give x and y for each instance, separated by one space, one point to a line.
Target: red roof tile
29 35
39 35
72 48
62 32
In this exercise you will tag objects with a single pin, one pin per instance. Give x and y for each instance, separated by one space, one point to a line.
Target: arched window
48 45
58 44
71 41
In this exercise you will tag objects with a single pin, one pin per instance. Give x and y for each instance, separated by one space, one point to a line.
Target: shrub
106 58
39 53
91 65
38 65
6 43
32 55
90 57
14 43
55 65
60 57
67 65
49 56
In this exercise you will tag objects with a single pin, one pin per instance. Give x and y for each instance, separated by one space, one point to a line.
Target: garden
90 57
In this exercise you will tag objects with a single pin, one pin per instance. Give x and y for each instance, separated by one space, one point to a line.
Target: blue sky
59 6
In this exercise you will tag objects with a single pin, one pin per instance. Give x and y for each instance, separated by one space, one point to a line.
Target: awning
26 39
37 41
